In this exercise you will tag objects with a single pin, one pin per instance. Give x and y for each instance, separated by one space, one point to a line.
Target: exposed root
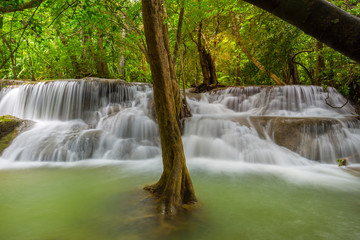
170 203
136 215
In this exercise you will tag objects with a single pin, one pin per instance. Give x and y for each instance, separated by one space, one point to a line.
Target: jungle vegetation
199 43
219 42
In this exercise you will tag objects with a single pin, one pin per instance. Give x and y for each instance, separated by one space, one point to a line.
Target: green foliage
342 162
68 39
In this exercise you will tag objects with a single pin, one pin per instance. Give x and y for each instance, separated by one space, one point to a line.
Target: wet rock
305 136
92 118
5 83
10 127
289 132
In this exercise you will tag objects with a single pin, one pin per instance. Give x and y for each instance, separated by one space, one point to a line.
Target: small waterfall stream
109 119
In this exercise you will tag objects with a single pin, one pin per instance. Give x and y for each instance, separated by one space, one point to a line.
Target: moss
6 141
8 130
8 124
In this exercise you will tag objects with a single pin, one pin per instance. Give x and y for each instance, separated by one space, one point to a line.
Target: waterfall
64 100
306 101
110 119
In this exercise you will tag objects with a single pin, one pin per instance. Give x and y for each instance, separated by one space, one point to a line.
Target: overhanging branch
11 8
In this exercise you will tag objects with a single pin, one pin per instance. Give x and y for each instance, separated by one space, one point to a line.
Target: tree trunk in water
258 64
320 19
175 186
206 61
320 63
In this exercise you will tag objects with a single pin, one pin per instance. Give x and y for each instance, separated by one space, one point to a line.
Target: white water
233 130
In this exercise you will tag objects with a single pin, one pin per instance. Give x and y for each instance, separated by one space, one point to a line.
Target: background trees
72 39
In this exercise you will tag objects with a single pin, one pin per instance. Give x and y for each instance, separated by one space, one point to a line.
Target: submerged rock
10 127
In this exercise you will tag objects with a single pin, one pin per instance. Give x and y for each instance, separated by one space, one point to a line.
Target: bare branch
20 39
302 65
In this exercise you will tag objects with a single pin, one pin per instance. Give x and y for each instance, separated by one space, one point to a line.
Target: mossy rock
10 127
8 124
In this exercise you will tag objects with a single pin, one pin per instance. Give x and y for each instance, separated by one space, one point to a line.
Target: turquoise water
101 202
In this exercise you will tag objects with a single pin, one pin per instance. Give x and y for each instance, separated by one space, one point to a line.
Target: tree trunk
320 63
320 19
85 63
308 72
101 64
122 58
293 73
175 186
258 64
74 62
183 76
31 69
237 73
178 31
12 58
206 61
237 69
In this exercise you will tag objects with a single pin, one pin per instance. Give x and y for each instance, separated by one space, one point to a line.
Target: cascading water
262 159
77 120
254 124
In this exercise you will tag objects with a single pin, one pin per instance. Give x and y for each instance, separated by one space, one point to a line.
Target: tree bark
308 72
74 62
101 64
12 57
16 8
206 62
293 73
175 186
183 76
320 19
122 58
85 59
178 31
31 69
320 63
258 64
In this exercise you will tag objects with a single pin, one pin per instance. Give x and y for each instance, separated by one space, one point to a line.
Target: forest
230 43
257 100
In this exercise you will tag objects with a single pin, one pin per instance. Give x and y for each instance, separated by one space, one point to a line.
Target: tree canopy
47 39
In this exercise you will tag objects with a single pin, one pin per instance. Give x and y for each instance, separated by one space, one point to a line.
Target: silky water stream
262 159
